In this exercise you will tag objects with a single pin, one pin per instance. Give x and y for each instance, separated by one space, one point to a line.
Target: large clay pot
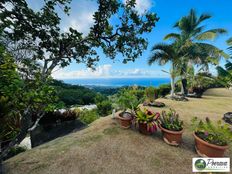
171 137
143 129
125 119
205 149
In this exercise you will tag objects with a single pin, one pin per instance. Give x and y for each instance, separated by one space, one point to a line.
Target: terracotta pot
143 129
125 122
173 138
205 149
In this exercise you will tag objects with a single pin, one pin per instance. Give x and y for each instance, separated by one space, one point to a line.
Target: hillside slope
105 148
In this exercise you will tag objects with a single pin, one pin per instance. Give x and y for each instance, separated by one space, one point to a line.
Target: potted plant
211 140
146 121
128 103
171 127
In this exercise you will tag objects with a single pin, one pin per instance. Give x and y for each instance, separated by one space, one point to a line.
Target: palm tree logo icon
200 164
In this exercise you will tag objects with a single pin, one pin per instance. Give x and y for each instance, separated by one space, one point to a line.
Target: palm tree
164 53
229 42
192 38
225 74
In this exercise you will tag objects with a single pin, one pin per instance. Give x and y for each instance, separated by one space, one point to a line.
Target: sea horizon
118 82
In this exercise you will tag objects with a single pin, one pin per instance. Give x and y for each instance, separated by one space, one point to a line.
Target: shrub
164 90
126 99
104 108
151 93
57 116
88 116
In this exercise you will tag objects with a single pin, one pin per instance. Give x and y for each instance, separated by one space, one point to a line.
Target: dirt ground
105 148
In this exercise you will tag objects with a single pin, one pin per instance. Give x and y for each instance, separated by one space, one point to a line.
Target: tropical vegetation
37 45
188 48
147 117
170 120
218 134
33 45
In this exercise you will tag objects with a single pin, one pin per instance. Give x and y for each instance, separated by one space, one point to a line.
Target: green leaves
215 133
129 99
225 75
210 34
170 120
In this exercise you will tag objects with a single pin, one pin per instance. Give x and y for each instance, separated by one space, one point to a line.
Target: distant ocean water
118 82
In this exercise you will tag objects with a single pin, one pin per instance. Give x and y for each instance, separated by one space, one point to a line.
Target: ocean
118 82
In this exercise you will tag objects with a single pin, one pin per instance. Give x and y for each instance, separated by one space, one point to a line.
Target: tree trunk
172 73
184 90
26 127
18 139
172 86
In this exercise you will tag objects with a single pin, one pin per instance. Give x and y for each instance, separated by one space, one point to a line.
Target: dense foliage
129 98
225 74
23 101
88 116
74 94
151 94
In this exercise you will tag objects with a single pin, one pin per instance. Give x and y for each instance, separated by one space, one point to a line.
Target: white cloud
81 17
101 71
142 5
106 71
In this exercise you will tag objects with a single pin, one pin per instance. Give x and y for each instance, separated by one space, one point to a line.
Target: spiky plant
170 120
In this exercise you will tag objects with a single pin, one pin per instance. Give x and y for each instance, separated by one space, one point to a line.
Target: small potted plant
171 127
128 103
211 140
146 121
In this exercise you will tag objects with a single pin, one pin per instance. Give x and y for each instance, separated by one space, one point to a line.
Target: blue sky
169 12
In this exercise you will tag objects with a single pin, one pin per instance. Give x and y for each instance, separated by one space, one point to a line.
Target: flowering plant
170 120
147 117
218 134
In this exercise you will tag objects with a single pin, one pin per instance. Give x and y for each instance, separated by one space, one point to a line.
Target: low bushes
88 116
58 116
104 108
164 90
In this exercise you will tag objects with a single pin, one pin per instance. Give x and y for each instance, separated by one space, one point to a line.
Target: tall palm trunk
183 70
172 73
184 90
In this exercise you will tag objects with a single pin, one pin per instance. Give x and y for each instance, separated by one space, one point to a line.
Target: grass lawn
104 147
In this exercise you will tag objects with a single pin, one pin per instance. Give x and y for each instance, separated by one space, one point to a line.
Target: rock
157 104
26 143
228 117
